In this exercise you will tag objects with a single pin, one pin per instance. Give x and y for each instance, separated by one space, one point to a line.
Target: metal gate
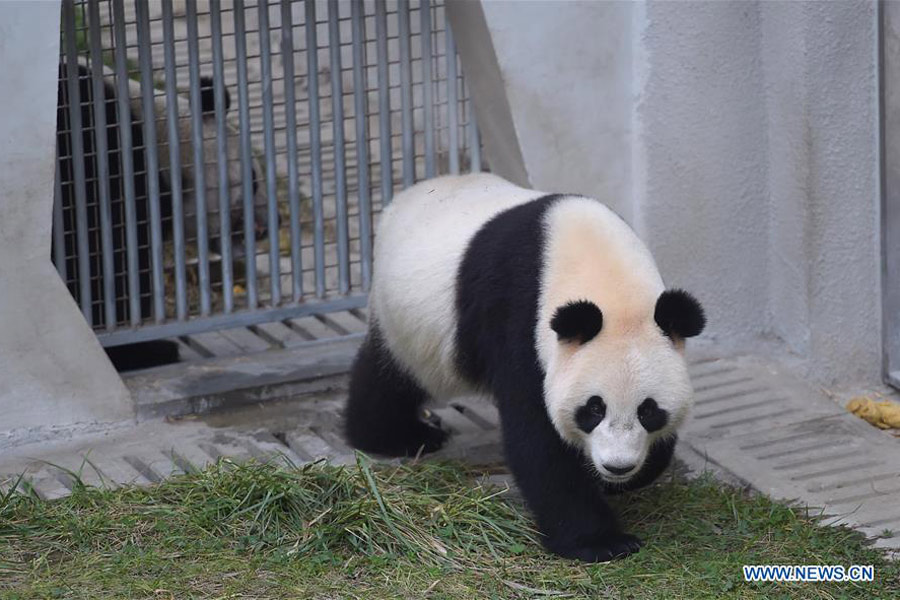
225 165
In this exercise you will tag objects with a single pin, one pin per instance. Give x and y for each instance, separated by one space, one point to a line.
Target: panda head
235 177
620 383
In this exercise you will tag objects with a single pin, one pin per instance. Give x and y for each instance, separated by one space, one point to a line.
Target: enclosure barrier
226 166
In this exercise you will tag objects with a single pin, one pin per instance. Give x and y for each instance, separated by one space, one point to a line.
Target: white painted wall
558 62
842 197
703 137
53 374
739 138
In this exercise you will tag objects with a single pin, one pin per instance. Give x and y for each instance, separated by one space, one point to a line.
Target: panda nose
616 470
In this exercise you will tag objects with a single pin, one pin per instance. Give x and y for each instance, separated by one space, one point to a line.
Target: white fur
421 240
591 254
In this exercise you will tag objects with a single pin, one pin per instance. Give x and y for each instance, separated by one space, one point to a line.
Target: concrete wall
556 62
739 138
703 137
843 253
53 374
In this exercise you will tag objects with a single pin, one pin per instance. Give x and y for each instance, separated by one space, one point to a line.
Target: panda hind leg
383 411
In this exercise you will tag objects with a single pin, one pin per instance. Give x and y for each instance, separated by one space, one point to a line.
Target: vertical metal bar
452 102
265 63
427 85
126 156
337 127
406 100
246 156
199 166
78 158
126 147
59 234
474 143
362 145
290 117
102 173
315 142
174 136
156 261
384 104
222 156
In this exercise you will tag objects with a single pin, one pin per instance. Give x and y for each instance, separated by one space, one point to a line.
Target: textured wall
760 123
843 193
704 212
787 110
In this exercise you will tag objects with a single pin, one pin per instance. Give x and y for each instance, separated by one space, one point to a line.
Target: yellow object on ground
884 415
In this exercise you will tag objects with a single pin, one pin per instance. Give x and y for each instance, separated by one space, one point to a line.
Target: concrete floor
753 423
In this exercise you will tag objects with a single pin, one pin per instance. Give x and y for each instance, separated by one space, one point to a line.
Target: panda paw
603 548
425 438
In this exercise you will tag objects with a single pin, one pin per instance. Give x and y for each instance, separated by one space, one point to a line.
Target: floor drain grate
789 441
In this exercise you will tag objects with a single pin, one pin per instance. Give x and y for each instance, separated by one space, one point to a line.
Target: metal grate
296 431
789 441
225 166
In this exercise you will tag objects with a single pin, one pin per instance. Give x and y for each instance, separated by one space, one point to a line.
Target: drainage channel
296 431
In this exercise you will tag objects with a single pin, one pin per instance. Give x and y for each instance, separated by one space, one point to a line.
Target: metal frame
407 74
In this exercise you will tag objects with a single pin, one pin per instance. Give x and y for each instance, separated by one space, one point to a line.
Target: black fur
130 356
497 293
577 321
590 414
208 96
652 417
383 413
497 298
679 315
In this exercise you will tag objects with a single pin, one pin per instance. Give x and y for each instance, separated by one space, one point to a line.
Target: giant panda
153 353
550 304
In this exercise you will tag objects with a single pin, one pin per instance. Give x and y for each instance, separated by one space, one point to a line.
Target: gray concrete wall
53 374
541 51
843 191
740 139
703 138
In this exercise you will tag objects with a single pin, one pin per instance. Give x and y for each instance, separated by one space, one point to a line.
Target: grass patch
423 530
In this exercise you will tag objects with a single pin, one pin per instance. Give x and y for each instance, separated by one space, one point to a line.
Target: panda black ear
208 96
577 321
679 314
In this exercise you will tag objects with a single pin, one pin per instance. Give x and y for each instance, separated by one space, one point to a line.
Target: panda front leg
383 412
558 485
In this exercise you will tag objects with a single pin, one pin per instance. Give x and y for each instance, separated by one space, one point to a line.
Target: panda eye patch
589 415
652 417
